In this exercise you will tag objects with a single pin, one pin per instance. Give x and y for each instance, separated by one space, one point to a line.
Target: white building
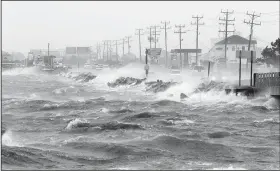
234 43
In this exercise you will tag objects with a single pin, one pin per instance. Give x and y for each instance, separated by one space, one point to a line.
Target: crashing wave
212 85
125 81
77 123
82 124
206 87
84 77
81 77
158 86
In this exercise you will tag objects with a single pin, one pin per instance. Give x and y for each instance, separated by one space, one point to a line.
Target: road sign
154 51
246 55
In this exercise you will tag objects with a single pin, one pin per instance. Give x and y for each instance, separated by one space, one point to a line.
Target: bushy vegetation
270 55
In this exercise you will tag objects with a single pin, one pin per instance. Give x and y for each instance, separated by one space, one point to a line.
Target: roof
185 50
235 39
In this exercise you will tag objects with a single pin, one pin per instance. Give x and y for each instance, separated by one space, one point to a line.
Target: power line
226 29
165 35
197 24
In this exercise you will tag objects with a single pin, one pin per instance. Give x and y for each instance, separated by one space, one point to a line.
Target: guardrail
264 80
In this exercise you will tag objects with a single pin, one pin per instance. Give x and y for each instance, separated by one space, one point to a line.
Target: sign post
240 54
251 83
208 69
146 68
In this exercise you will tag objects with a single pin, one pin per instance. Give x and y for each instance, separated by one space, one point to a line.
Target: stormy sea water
76 121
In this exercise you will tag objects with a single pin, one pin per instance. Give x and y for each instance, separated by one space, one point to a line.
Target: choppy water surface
59 122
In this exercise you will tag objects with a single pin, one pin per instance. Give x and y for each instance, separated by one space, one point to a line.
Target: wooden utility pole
180 40
197 24
226 29
155 33
123 42
251 73
116 43
104 46
48 49
97 50
165 35
110 50
150 39
240 68
146 61
251 23
128 45
107 50
139 34
50 59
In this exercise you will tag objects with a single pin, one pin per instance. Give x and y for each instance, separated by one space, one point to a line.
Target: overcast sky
31 25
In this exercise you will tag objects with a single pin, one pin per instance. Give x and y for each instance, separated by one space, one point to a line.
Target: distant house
234 43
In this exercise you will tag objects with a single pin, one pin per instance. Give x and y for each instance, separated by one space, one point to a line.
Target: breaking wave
84 125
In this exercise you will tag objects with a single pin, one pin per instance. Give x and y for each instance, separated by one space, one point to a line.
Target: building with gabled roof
236 40
234 43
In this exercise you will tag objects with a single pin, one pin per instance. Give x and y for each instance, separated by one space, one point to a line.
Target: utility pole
103 50
150 39
155 33
197 24
251 23
107 50
116 43
97 51
48 49
128 37
165 35
180 40
123 40
110 50
139 34
226 29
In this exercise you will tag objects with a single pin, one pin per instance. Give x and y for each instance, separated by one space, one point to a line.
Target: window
233 48
243 47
